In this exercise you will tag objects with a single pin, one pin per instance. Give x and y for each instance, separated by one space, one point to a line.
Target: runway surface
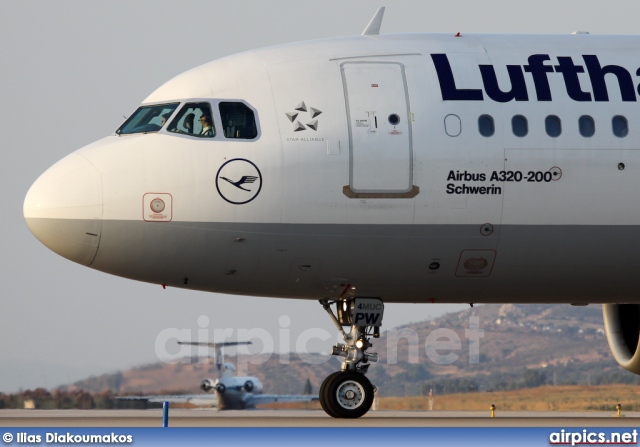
309 418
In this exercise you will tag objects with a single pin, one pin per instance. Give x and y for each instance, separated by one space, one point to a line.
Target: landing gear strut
348 393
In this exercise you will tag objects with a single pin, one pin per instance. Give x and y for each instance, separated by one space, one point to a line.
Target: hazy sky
71 70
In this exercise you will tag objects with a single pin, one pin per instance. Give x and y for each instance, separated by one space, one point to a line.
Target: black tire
321 394
348 394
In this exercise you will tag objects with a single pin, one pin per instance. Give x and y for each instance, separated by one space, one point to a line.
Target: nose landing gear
348 393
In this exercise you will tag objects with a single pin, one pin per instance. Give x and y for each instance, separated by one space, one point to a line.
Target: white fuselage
370 170
237 390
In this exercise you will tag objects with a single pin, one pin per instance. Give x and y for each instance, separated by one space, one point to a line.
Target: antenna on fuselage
374 25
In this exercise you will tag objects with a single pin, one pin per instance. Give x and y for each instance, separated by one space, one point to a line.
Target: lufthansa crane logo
243 180
238 181
304 113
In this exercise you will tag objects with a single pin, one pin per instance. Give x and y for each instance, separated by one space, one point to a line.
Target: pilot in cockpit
164 119
207 130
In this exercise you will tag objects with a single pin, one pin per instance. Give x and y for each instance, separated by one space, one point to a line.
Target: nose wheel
346 394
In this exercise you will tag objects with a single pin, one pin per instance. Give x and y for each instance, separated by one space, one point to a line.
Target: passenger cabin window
238 120
553 126
147 119
519 126
587 126
619 126
194 119
486 126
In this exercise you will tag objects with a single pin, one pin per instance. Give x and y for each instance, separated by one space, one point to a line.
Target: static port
434 266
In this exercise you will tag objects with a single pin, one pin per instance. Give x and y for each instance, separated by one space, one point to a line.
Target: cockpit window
194 119
147 119
238 120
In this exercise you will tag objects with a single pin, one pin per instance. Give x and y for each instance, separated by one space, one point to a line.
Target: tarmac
310 418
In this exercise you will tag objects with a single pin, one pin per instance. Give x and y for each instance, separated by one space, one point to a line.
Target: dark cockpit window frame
239 120
148 118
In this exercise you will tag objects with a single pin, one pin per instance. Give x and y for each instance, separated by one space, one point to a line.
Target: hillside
544 398
517 346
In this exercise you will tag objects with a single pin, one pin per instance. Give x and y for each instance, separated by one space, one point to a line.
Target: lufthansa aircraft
357 171
230 392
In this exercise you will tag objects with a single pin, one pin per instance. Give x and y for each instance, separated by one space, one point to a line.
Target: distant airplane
230 392
406 168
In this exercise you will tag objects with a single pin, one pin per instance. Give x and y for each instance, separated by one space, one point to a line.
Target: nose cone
63 209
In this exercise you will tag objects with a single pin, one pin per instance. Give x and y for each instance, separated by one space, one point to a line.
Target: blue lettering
571 81
596 74
518 86
448 84
369 319
540 74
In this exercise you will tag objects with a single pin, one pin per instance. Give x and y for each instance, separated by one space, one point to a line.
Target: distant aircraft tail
218 353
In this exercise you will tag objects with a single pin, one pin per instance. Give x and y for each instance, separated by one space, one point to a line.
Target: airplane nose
63 209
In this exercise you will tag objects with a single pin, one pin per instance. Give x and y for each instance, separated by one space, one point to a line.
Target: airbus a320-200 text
495 176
